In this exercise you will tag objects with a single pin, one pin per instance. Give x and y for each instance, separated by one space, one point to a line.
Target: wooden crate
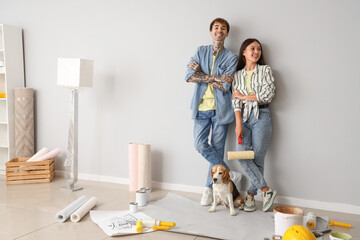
18 171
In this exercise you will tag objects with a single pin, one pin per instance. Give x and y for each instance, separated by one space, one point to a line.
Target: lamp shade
75 72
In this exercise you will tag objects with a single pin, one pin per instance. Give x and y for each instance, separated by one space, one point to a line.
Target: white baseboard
328 206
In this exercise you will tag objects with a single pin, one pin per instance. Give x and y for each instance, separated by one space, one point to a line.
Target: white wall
140 51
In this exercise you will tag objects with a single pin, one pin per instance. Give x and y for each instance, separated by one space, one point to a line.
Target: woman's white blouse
262 84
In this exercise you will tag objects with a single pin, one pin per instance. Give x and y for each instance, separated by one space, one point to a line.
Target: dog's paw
241 207
233 213
211 210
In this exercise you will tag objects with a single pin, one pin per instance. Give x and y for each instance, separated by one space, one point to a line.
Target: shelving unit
11 76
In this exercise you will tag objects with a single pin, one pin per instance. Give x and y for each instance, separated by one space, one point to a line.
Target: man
212 69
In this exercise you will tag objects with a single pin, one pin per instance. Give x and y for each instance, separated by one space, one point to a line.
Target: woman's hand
237 94
239 131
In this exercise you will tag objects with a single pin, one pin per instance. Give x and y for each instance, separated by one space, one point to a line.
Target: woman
253 90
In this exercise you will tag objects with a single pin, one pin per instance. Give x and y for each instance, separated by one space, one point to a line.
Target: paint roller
333 223
154 223
241 154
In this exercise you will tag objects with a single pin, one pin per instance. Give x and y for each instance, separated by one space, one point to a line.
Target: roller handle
167 224
160 228
340 224
239 140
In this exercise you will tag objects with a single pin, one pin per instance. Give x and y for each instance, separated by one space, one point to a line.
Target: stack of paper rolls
76 210
139 166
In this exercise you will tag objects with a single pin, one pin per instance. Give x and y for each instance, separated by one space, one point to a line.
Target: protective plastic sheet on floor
192 218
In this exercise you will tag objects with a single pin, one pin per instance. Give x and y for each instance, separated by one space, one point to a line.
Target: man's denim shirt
225 63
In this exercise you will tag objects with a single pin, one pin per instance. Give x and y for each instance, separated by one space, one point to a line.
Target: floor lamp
73 73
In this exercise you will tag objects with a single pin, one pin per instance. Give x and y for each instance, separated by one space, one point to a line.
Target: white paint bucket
285 217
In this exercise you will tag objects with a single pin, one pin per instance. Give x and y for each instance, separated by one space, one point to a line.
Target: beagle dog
224 190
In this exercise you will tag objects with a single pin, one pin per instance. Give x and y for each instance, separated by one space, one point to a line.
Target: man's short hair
222 21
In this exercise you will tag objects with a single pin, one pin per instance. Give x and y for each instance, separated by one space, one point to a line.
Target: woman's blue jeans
213 152
256 134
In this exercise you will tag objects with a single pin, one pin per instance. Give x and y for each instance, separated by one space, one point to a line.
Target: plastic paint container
285 217
340 236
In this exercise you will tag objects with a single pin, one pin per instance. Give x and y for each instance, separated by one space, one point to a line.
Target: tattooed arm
214 80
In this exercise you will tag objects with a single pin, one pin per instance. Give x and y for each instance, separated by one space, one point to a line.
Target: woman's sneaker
249 204
268 199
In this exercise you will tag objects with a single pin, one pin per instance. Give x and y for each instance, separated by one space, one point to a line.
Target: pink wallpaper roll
133 167
48 155
144 166
38 154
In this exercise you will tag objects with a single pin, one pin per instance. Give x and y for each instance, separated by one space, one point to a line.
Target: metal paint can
141 198
133 207
148 191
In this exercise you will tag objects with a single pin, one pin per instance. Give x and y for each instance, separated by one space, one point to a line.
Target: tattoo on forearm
200 77
218 85
197 68
225 78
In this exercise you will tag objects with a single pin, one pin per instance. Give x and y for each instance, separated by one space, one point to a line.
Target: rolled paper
38 154
241 155
144 166
48 155
70 209
83 210
133 167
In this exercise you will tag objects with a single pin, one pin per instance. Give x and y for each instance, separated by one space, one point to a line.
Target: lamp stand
71 162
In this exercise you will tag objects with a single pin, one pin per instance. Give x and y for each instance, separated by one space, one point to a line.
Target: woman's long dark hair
242 60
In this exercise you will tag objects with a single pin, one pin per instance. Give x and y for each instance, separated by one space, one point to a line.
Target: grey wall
140 51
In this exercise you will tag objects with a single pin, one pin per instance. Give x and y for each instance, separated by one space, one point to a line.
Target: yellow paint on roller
241 155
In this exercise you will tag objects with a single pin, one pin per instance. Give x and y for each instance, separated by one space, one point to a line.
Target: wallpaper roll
144 166
24 122
70 209
38 154
133 167
83 210
48 155
241 155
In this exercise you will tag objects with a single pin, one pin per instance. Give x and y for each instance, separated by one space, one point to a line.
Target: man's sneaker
249 204
268 199
207 197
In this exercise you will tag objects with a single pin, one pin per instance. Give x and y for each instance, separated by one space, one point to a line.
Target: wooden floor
28 212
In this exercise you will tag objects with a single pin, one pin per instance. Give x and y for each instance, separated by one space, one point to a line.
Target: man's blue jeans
256 133
213 152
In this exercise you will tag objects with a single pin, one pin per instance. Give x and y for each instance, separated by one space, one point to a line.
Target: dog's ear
226 176
211 173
